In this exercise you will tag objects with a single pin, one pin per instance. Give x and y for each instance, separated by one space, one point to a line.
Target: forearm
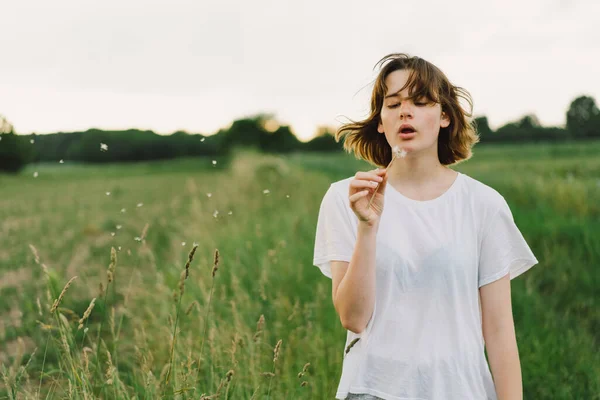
503 356
355 296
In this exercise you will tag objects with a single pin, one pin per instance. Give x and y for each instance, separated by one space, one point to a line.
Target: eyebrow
397 94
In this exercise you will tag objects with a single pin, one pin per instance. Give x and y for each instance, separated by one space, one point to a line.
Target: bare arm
353 284
500 339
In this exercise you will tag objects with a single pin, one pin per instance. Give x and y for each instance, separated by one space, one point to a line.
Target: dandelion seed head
112 234
287 196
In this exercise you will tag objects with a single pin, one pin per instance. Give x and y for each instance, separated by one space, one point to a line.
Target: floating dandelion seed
103 147
119 227
112 234
123 210
214 162
196 244
138 239
230 212
208 194
215 213
35 174
397 152
108 193
119 248
183 243
62 161
266 191
140 204
287 196
32 141
202 140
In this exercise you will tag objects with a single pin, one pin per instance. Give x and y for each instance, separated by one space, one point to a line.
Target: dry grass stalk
35 253
259 327
87 313
276 351
191 306
216 263
144 232
301 374
190 258
60 297
113 264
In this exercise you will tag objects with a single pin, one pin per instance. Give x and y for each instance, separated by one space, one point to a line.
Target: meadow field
203 286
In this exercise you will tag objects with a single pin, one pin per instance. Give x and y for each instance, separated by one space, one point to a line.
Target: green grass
265 268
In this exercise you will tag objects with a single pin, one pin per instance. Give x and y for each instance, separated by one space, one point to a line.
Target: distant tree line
261 132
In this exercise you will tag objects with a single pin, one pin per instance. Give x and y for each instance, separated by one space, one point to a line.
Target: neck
416 171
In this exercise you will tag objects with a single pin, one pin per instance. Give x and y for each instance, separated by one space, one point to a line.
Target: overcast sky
198 65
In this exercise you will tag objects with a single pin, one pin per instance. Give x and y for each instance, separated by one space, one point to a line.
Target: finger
357 196
370 176
361 184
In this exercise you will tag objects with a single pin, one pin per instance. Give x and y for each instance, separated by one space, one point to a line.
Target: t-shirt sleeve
503 248
335 237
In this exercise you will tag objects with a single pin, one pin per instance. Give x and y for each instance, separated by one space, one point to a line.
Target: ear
380 126
445 120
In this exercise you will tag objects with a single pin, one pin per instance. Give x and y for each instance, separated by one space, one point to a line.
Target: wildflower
397 152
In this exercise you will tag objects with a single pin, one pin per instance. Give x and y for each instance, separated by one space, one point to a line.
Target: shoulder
341 186
484 198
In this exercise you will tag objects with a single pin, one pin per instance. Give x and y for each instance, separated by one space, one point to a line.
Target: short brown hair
425 81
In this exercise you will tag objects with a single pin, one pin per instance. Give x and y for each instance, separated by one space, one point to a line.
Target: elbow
353 326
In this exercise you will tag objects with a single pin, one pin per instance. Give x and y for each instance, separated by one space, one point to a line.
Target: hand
361 190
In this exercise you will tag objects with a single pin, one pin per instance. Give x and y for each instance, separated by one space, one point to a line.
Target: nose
405 110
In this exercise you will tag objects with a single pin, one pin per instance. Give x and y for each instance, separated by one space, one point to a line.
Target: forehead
397 80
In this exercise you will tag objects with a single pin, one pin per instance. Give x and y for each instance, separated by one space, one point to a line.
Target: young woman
422 284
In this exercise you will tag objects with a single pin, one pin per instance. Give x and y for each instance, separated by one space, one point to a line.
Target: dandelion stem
394 155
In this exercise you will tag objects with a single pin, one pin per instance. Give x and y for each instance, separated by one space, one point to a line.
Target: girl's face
425 119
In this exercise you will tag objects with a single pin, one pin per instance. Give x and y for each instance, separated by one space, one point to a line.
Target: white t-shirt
424 340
